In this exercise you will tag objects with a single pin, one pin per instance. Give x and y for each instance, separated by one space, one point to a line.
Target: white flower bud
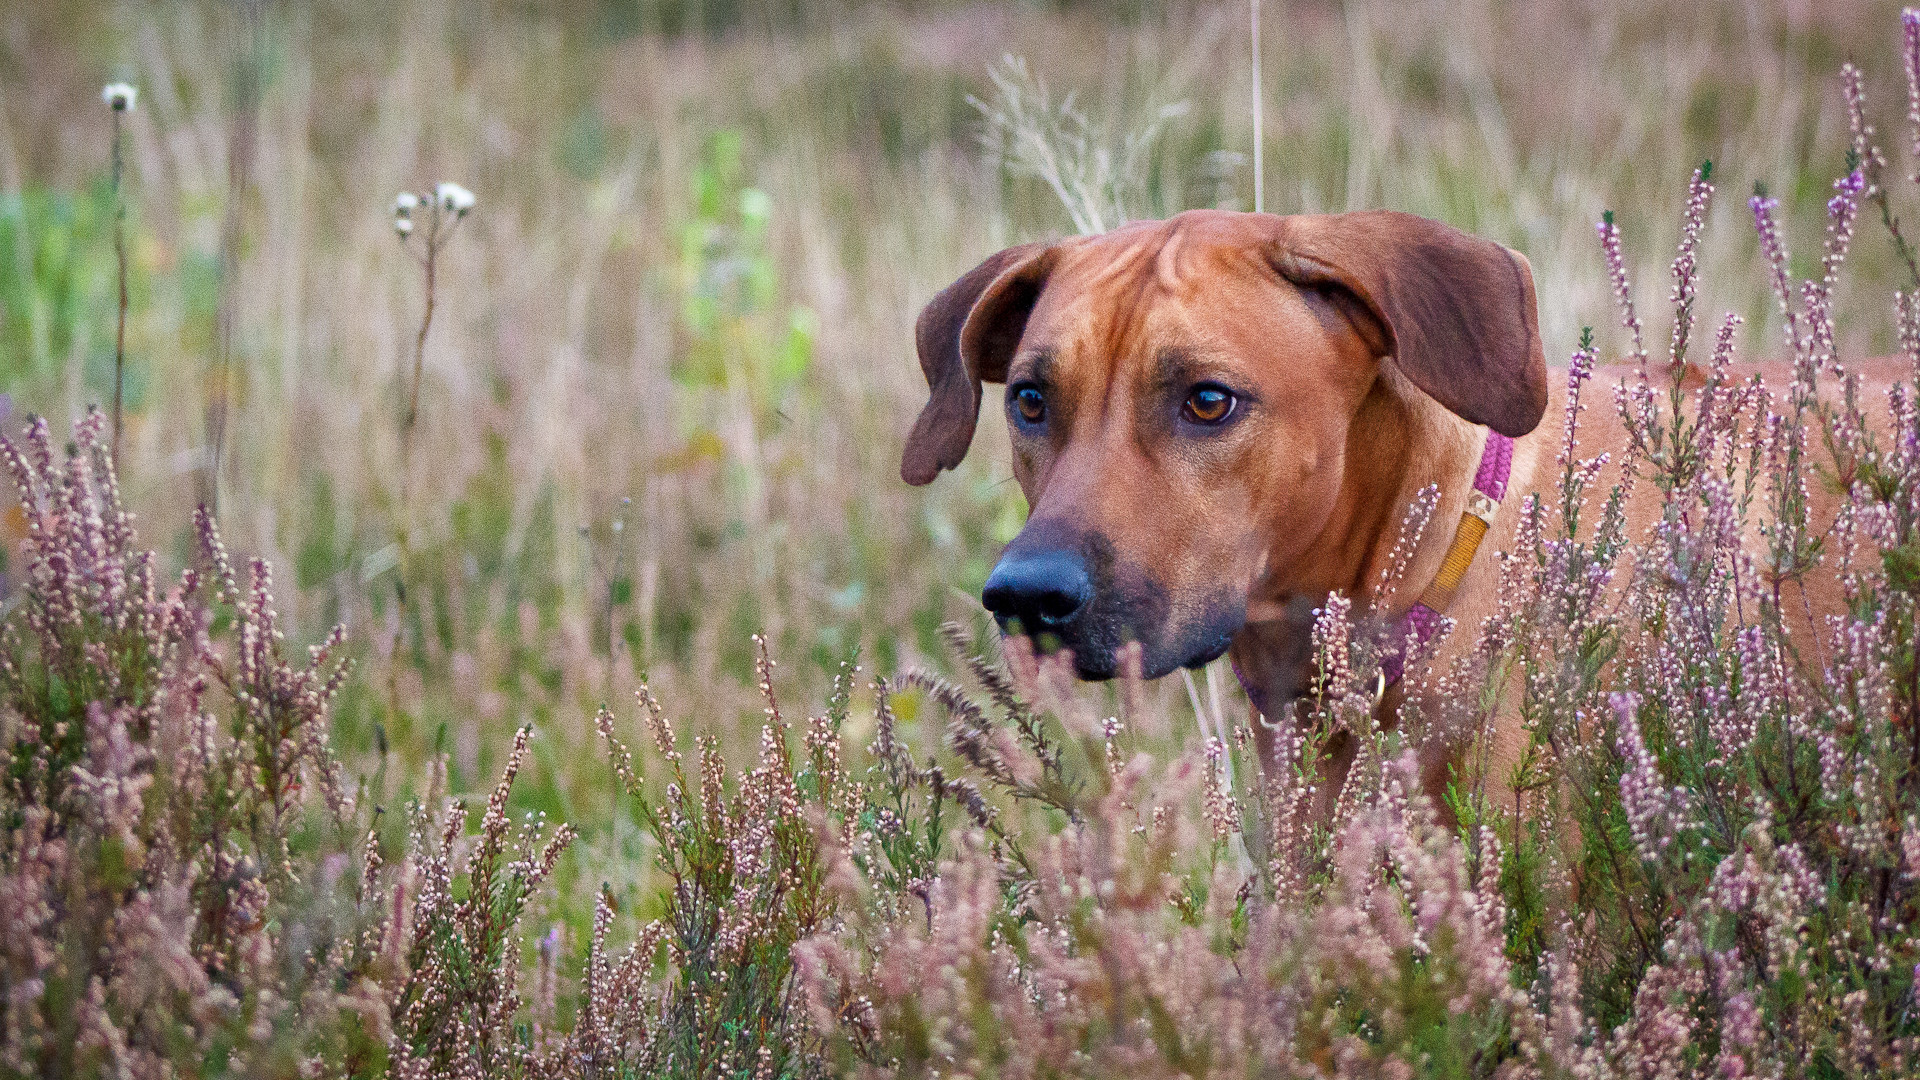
453 197
403 226
404 204
120 97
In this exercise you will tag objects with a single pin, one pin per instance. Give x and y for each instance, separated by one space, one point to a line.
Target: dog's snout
1041 591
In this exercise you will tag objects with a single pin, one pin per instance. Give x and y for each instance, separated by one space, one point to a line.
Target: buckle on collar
1482 506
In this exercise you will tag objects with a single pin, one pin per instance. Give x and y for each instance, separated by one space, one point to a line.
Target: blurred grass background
672 363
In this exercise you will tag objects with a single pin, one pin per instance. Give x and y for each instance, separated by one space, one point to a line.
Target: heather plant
183 893
744 880
1130 934
1722 818
149 830
457 1013
751 869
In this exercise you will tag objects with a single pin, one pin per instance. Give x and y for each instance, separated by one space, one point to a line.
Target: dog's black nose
1042 591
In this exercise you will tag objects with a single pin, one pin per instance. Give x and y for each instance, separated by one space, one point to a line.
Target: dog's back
1809 600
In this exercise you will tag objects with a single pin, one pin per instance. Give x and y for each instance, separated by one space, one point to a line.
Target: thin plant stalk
443 217
120 257
420 339
242 140
441 222
1259 185
407 424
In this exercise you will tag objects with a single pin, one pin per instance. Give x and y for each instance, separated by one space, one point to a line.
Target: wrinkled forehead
1135 294
1132 266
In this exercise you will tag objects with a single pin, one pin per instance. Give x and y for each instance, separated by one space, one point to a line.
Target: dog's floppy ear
966 335
1456 313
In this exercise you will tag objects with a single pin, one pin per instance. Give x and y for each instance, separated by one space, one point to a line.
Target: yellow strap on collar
1474 522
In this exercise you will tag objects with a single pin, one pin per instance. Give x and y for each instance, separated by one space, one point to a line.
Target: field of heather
460 614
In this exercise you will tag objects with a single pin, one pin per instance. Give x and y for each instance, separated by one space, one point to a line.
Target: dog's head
1181 396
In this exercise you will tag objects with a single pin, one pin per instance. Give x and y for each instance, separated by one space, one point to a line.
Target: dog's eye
1030 403
1208 404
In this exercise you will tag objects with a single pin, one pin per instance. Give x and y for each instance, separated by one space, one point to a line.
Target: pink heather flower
1774 250
1579 370
1622 293
1686 261
1910 54
1332 637
1841 212
1413 528
1653 811
1854 92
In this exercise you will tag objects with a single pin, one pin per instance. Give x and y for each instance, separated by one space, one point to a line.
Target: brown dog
1221 418
1209 429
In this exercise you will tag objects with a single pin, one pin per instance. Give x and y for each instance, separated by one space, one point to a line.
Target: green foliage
56 277
738 338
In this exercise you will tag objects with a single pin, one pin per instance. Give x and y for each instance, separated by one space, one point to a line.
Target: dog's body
1360 359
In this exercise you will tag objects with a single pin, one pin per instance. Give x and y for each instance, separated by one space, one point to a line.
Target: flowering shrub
746 881
1110 946
182 890
1742 777
145 840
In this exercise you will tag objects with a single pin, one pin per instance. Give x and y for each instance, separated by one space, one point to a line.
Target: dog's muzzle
1067 590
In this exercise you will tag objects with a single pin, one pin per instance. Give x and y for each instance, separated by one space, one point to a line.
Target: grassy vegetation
670 366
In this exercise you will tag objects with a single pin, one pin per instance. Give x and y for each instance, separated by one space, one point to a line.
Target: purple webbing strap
1418 626
1421 624
1496 464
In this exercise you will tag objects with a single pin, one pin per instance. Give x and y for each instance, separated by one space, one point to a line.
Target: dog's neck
1398 443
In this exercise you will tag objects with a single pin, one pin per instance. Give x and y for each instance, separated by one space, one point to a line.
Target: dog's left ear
1456 313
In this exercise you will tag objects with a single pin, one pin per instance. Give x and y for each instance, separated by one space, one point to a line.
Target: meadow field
660 406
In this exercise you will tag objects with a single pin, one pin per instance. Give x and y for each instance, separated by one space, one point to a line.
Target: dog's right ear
966 335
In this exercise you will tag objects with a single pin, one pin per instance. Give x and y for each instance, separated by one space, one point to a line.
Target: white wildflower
403 226
403 205
120 97
453 197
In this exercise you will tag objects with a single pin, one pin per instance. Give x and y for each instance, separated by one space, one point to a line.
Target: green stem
120 255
